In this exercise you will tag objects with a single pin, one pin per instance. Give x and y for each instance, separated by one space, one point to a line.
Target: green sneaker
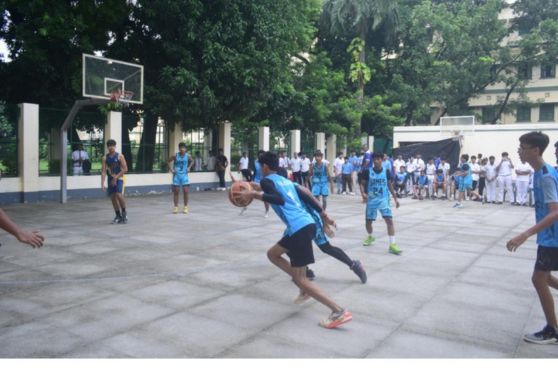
394 248
368 241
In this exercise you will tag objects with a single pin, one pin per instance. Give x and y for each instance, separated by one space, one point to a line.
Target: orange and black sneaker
335 319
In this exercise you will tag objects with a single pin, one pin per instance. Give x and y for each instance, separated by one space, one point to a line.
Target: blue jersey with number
113 164
549 236
257 171
180 164
292 213
378 190
319 173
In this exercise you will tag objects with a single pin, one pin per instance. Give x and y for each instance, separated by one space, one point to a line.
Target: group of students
306 221
477 177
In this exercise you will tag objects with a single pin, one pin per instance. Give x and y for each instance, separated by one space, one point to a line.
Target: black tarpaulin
447 149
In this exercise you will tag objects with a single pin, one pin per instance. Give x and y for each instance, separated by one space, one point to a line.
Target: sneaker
394 248
175 210
368 241
457 205
546 336
310 274
357 268
124 219
266 215
185 210
335 319
116 220
352 193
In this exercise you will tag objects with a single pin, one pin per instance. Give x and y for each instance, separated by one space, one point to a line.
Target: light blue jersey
319 173
378 190
549 236
257 172
292 213
347 168
180 166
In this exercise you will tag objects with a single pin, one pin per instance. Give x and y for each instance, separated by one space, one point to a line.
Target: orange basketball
238 187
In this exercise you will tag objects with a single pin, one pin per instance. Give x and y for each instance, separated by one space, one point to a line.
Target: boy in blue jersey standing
379 187
465 183
181 165
114 165
287 201
320 178
545 188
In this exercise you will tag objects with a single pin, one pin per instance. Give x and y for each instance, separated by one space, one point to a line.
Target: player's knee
539 278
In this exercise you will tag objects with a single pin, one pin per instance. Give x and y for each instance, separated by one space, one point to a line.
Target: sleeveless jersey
378 191
113 164
257 171
319 174
468 179
549 236
292 213
180 164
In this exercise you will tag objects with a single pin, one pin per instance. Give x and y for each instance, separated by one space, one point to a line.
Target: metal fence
9 117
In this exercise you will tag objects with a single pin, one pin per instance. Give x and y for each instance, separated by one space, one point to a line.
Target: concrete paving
200 285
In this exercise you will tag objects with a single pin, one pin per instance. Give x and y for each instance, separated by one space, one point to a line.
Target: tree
215 61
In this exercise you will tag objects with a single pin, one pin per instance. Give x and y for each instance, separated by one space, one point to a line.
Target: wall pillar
28 151
175 137
331 148
263 138
225 143
113 129
320 143
295 142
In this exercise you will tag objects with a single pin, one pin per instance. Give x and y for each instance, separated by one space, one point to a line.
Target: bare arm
123 166
547 221
169 162
103 172
33 238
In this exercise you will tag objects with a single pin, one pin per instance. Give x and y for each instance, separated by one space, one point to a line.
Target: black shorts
299 246
547 259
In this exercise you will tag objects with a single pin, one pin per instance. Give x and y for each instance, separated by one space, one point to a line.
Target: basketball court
200 285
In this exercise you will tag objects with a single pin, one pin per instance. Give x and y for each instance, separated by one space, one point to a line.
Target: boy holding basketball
181 165
114 165
545 188
287 201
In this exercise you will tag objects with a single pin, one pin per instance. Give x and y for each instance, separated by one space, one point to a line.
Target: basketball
238 187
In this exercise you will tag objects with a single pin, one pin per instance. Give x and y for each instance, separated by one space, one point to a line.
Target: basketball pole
64 143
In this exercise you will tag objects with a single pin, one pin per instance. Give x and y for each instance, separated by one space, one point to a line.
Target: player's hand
245 196
32 238
397 203
514 243
104 188
113 182
328 220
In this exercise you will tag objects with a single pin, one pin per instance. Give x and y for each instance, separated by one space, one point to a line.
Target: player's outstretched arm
546 222
32 238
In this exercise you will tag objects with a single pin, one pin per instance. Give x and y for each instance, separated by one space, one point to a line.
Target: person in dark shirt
221 165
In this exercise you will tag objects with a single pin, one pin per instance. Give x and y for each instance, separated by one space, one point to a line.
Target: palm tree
361 18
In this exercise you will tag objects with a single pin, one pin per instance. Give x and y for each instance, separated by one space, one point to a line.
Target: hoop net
122 96
458 125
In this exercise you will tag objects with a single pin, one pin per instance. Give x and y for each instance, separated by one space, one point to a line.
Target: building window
546 112
523 114
488 114
524 71
548 71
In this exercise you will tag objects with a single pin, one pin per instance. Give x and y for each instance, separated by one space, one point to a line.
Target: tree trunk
439 117
146 151
505 103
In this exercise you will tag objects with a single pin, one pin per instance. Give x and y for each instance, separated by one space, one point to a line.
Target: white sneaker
344 193
266 215
351 193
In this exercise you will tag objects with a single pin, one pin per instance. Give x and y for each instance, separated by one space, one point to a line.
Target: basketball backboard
106 78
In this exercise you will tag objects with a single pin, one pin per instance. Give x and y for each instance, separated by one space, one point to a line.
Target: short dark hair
465 156
473 157
270 159
111 142
505 153
318 153
181 144
535 139
491 157
377 155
